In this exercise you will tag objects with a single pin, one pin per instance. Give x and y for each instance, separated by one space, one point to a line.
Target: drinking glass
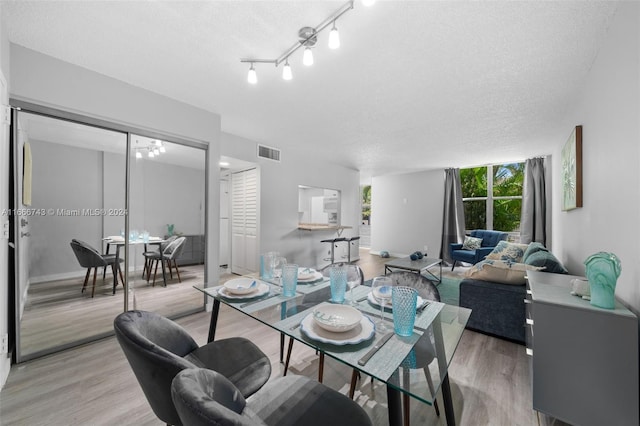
381 288
338 283
278 263
289 279
354 277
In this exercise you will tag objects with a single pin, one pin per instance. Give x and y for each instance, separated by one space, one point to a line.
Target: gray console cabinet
584 359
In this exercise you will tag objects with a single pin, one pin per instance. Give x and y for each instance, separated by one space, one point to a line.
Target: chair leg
155 272
453 265
175 264
354 380
120 273
115 278
427 375
93 290
321 367
86 279
170 269
286 363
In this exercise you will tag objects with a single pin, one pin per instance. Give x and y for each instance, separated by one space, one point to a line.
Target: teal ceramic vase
603 270
170 229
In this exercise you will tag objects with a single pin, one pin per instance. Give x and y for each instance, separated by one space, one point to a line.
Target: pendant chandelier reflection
152 149
307 39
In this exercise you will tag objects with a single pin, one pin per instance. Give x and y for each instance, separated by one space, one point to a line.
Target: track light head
286 71
252 77
334 37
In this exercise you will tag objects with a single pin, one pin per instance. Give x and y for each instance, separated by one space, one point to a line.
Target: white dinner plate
261 291
363 331
371 298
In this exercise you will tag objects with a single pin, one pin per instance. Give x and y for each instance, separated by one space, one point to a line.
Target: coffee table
418 266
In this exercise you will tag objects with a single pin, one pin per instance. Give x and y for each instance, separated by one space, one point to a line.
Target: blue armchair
490 239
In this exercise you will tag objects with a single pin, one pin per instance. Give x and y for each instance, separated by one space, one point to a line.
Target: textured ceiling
416 84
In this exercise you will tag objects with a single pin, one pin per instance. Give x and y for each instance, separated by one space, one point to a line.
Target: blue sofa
490 240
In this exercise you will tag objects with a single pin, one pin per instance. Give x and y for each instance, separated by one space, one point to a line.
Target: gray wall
406 212
608 108
279 199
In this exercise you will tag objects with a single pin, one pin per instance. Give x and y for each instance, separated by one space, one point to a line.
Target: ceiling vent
268 153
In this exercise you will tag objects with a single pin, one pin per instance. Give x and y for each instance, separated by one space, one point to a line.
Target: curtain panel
533 222
453 214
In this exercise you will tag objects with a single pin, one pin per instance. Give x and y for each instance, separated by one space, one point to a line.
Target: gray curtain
533 222
453 215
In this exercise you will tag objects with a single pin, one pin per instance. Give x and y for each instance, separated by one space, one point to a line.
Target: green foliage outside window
366 203
507 182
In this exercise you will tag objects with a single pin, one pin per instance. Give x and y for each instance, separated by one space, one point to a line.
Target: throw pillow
471 243
500 272
508 252
546 260
532 248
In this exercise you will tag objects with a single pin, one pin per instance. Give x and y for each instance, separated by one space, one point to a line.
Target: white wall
608 109
406 212
5 361
279 199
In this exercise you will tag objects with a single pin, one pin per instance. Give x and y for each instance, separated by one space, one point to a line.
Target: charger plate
261 291
360 333
372 299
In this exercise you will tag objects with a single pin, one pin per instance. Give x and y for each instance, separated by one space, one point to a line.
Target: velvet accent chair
90 258
312 299
157 349
204 397
170 255
490 240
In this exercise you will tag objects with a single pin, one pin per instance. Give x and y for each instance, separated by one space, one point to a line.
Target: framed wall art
572 171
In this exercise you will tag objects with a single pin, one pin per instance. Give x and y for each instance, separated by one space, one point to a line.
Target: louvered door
244 222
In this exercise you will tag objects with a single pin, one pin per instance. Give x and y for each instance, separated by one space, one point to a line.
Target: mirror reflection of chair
169 257
146 270
157 349
312 299
204 397
90 258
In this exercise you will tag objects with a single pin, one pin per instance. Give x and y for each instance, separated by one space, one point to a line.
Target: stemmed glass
354 277
276 266
381 288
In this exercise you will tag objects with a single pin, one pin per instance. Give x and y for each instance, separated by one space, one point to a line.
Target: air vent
268 153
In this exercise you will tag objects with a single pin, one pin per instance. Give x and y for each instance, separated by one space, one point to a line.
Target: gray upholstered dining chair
90 258
312 299
157 349
170 255
146 270
205 397
423 353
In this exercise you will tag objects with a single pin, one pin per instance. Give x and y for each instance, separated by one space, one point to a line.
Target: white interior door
244 222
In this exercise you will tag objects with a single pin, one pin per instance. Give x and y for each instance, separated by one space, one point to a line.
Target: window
366 204
492 196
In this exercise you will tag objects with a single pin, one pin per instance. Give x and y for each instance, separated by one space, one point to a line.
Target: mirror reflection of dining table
119 241
393 363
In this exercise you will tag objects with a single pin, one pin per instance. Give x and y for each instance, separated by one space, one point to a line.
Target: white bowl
336 318
241 286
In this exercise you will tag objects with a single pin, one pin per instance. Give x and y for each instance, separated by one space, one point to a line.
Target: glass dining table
409 366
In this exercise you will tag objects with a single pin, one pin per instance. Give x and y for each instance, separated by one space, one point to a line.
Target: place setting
243 288
337 325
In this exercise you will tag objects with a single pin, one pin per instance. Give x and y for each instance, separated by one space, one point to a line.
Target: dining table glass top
405 363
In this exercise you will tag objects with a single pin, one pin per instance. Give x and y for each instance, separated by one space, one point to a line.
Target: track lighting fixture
334 37
153 148
252 78
307 38
286 71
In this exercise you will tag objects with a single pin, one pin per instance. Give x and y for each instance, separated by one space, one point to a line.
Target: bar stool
333 246
350 242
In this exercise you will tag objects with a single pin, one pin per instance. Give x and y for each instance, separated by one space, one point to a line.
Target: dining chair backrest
87 256
426 289
174 249
167 241
205 397
154 347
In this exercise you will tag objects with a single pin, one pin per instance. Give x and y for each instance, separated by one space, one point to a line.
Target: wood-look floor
94 385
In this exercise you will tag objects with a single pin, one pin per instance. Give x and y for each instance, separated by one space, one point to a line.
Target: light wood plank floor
94 385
